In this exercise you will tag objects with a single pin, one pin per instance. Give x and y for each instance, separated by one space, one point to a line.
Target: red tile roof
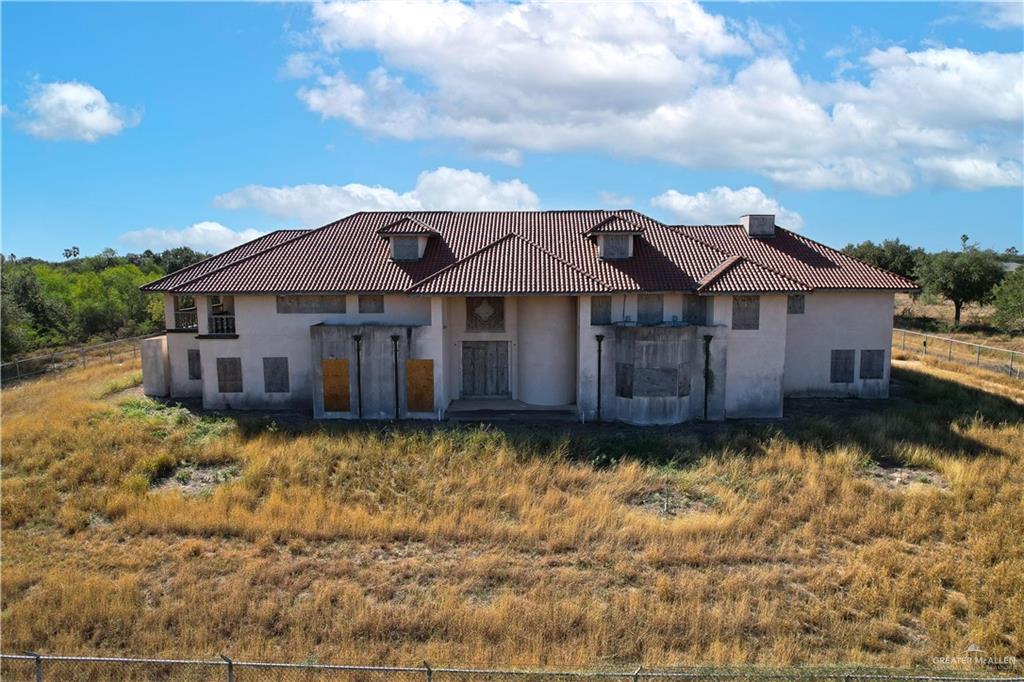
523 252
615 224
186 274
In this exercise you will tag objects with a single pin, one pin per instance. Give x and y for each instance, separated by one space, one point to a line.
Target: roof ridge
845 255
747 258
185 269
297 237
564 262
448 267
720 270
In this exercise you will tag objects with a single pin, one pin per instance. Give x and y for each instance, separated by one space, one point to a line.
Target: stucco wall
262 332
547 350
178 345
757 359
837 320
154 366
456 333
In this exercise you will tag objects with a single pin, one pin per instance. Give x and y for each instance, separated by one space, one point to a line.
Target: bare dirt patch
670 503
197 481
903 478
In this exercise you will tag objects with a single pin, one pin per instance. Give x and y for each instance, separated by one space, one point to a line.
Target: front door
485 369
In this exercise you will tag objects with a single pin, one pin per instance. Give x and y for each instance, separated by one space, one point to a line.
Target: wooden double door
485 369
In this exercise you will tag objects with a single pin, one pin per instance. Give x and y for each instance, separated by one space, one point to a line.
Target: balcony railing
222 324
186 319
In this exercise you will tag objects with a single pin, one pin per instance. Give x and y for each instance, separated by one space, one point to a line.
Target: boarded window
601 310
195 368
405 248
649 309
616 246
746 312
872 364
335 382
419 385
371 304
695 309
624 380
485 314
795 304
842 367
275 375
229 375
310 304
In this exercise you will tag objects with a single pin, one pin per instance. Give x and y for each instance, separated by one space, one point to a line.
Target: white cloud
969 172
651 81
724 205
999 15
615 200
441 189
205 236
74 111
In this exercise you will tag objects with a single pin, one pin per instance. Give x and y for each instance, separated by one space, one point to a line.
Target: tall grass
518 546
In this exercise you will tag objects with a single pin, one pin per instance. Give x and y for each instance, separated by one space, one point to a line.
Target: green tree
891 255
1008 298
962 277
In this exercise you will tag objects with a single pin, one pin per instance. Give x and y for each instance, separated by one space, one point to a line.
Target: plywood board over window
650 309
872 364
275 375
419 385
335 379
310 304
600 310
485 314
842 367
746 312
795 304
371 304
195 367
229 375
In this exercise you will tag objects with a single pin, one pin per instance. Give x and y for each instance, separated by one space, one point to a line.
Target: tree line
82 299
970 275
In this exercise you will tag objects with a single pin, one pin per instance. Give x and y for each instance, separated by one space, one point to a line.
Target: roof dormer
615 237
407 238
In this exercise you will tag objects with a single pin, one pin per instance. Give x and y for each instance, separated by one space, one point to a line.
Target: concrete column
203 313
435 344
155 369
169 311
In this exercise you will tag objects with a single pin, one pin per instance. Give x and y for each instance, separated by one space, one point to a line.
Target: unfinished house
599 315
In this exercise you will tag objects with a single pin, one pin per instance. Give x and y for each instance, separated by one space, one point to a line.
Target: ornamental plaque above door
485 314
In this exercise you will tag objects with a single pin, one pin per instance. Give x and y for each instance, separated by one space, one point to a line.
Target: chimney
759 224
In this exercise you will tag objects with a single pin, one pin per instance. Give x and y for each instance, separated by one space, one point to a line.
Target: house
611 315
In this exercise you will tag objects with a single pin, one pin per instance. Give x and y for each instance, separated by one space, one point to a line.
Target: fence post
636 674
1011 363
977 357
949 355
231 668
925 344
430 671
38 665
17 368
904 339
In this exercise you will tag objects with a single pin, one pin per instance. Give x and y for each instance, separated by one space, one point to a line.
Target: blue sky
152 125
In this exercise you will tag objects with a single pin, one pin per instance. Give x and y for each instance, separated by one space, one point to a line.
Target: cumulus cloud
971 172
724 205
205 236
441 189
74 111
671 82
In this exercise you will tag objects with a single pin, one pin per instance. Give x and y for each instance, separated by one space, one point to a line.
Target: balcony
221 324
186 319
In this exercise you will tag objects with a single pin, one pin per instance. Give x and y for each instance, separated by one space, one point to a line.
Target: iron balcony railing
186 319
222 324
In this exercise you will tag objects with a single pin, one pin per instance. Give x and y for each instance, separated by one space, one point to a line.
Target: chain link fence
79 356
964 352
36 668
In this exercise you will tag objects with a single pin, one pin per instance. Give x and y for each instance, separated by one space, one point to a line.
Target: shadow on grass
925 410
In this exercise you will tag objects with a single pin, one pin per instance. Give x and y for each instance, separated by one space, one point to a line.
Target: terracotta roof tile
524 252
407 225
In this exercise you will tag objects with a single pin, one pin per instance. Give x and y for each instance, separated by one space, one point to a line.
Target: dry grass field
935 316
876 533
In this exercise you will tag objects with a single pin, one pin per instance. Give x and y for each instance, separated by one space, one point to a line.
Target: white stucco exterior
552 354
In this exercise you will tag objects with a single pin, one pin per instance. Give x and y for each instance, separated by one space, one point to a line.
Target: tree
891 255
71 253
962 277
1008 298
